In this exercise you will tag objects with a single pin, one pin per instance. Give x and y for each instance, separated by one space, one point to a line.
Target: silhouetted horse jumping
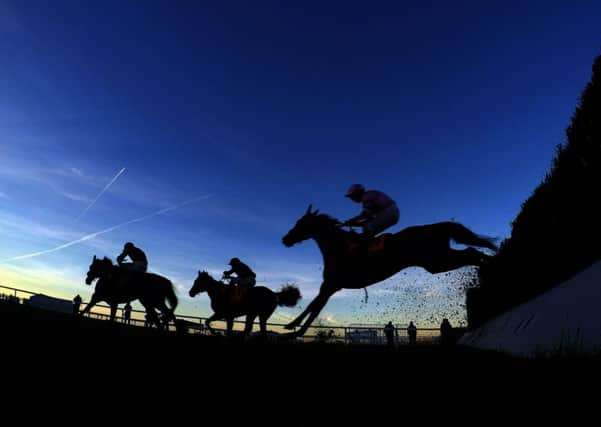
256 301
117 285
426 246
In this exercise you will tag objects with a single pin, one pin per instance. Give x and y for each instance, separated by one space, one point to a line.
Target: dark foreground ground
61 370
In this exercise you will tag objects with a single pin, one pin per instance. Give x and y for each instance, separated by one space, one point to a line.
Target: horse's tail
462 234
170 295
288 296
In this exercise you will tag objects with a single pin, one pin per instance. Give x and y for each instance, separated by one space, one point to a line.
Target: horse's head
201 283
307 227
97 269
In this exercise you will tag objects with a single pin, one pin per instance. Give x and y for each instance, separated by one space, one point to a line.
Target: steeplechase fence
351 334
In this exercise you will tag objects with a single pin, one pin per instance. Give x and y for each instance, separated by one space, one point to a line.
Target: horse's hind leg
460 233
248 326
263 324
152 317
167 313
454 259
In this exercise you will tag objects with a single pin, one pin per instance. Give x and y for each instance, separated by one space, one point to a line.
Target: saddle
374 245
236 294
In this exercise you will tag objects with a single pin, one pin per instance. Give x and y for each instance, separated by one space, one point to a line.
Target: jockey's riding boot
364 240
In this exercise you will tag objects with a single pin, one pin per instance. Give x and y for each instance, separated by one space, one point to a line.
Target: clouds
104 231
106 187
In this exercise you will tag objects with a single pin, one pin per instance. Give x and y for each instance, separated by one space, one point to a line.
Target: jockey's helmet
234 261
129 245
355 189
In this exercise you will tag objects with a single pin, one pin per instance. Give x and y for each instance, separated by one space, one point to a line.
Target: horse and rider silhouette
117 285
427 246
229 302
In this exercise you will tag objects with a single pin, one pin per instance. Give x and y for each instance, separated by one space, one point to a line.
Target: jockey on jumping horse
379 213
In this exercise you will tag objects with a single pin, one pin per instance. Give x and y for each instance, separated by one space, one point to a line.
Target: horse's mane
328 218
107 260
330 221
206 273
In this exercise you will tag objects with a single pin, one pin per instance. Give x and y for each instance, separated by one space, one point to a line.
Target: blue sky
260 108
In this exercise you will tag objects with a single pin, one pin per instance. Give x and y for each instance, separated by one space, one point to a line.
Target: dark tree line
558 230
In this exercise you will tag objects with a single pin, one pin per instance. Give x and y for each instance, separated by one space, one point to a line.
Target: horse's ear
316 212
94 257
309 209
199 273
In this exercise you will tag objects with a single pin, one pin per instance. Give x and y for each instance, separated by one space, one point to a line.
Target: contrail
106 187
106 230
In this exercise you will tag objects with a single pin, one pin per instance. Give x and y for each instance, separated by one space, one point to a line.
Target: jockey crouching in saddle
245 279
139 262
379 212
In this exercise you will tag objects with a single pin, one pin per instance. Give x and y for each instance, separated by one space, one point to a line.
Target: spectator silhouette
447 333
412 333
76 304
126 313
389 331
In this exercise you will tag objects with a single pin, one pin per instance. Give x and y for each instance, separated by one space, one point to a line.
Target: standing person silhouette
447 333
126 313
76 304
389 331
139 262
412 333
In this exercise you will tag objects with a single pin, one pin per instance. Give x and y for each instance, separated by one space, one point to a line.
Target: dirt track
68 370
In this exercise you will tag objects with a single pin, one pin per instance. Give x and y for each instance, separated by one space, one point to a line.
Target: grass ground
65 370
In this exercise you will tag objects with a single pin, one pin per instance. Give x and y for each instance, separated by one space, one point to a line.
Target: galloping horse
256 301
426 246
116 285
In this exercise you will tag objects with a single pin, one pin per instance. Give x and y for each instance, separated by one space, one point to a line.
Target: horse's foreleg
93 301
296 322
208 324
320 301
230 325
313 310
248 326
